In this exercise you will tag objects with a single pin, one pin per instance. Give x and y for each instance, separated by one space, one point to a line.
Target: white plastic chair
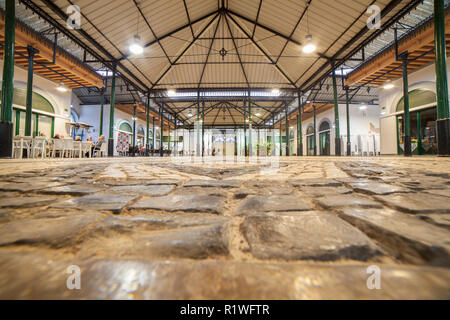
76 149
38 145
69 147
103 149
20 143
58 145
86 148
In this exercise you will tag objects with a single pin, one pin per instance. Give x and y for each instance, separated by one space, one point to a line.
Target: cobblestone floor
152 228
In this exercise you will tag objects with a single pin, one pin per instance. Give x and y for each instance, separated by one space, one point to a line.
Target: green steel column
29 101
443 110
245 129
111 114
168 137
281 140
147 133
134 131
18 122
36 128
300 129
6 125
287 131
298 141
100 132
407 122
273 136
314 139
337 139
203 128
153 137
175 146
347 107
52 132
197 130
250 127
161 153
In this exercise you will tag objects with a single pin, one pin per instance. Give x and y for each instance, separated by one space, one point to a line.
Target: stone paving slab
347 200
376 188
277 203
183 202
100 201
417 202
76 190
408 238
26 202
151 190
307 236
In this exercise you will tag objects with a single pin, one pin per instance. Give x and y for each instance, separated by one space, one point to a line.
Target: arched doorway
422 104
324 138
140 137
124 138
310 140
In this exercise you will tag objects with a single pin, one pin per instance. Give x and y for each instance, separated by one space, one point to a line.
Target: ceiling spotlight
136 46
62 87
363 107
388 85
258 114
190 114
309 46
171 92
276 91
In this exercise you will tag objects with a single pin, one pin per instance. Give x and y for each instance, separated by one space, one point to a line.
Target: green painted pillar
300 129
443 110
175 145
153 137
281 140
134 131
36 129
274 142
337 139
111 114
18 122
168 137
250 127
315 130
245 129
161 153
147 134
347 107
29 99
203 128
102 104
287 132
407 121
6 125
52 132
197 133
298 137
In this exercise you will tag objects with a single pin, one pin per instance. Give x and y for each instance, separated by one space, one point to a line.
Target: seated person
97 146
77 138
57 136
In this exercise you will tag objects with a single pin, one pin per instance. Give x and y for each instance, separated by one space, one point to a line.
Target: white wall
61 101
424 78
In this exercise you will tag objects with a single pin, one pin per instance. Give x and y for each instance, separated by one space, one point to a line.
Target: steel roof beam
209 52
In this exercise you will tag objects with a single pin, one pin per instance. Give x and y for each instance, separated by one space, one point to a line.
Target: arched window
125 127
417 98
324 126
73 116
141 131
39 103
310 130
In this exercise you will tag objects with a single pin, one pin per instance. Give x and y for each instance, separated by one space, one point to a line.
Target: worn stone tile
315 183
57 232
309 236
26 202
323 191
151 190
213 183
420 202
441 192
347 200
376 188
408 238
183 202
439 219
278 203
76 190
27 187
100 201
163 181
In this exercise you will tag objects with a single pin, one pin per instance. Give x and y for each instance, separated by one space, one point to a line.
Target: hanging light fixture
171 92
309 46
136 46
62 87
388 85
276 91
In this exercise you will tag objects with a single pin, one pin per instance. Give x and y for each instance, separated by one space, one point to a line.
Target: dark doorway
324 139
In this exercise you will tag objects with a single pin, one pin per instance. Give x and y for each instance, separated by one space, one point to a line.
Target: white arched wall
424 78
